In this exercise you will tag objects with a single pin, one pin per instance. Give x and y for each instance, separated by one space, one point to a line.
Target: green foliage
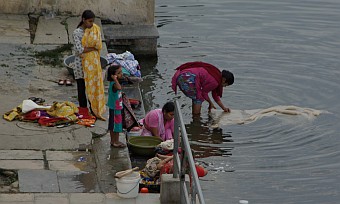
53 57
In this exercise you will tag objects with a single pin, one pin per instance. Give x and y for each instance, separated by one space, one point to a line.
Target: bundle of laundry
56 114
127 60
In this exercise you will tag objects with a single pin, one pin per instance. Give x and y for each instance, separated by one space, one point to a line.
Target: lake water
281 53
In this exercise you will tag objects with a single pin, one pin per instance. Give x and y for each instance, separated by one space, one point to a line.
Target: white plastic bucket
128 186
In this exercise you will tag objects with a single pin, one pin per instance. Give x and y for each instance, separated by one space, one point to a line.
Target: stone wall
133 12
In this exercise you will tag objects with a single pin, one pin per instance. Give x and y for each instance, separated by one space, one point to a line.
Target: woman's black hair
168 107
111 70
228 76
87 14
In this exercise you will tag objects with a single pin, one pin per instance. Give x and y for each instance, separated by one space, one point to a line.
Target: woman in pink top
197 79
160 122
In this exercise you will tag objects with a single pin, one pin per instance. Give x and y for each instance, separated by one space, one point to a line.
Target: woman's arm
226 109
217 99
154 131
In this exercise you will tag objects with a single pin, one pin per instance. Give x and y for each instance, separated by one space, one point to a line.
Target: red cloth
200 171
32 115
50 122
85 118
168 168
84 113
214 71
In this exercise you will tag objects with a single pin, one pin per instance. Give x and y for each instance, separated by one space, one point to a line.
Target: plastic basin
143 145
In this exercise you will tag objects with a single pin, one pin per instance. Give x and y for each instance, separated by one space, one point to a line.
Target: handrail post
176 142
184 161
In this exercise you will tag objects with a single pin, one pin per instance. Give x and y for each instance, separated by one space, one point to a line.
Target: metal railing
185 160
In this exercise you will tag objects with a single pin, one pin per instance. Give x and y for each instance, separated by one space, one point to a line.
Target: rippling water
282 53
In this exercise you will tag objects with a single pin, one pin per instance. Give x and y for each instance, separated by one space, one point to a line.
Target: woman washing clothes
87 70
160 122
197 79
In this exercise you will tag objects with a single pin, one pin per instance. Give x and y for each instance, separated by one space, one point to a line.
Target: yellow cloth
65 109
13 114
92 70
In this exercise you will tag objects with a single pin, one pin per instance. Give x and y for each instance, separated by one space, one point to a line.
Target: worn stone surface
38 181
15 29
64 155
51 31
51 198
87 198
77 182
27 197
21 164
130 32
64 166
109 161
20 154
120 11
113 198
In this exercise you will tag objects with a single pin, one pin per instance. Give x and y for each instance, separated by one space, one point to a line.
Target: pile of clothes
163 163
59 113
127 60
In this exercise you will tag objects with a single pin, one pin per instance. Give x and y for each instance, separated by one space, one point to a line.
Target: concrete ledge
139 39
68 198
51 31
114 32
170 188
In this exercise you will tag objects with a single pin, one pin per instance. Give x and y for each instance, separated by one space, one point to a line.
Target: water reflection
282 53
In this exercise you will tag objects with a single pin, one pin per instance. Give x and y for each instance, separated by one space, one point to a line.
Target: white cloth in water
248 116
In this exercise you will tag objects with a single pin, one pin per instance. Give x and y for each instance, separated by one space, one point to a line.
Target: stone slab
14 29
63 166
71 138
27 197
148 198
38 181
64 155
109 161
113 198
21 155
51 31
87 198
86 165
78 182
170 188
51 198
117 32
22 164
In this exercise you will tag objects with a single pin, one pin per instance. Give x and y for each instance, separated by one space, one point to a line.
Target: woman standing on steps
87 69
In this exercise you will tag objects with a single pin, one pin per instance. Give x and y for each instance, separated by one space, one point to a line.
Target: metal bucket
68 60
